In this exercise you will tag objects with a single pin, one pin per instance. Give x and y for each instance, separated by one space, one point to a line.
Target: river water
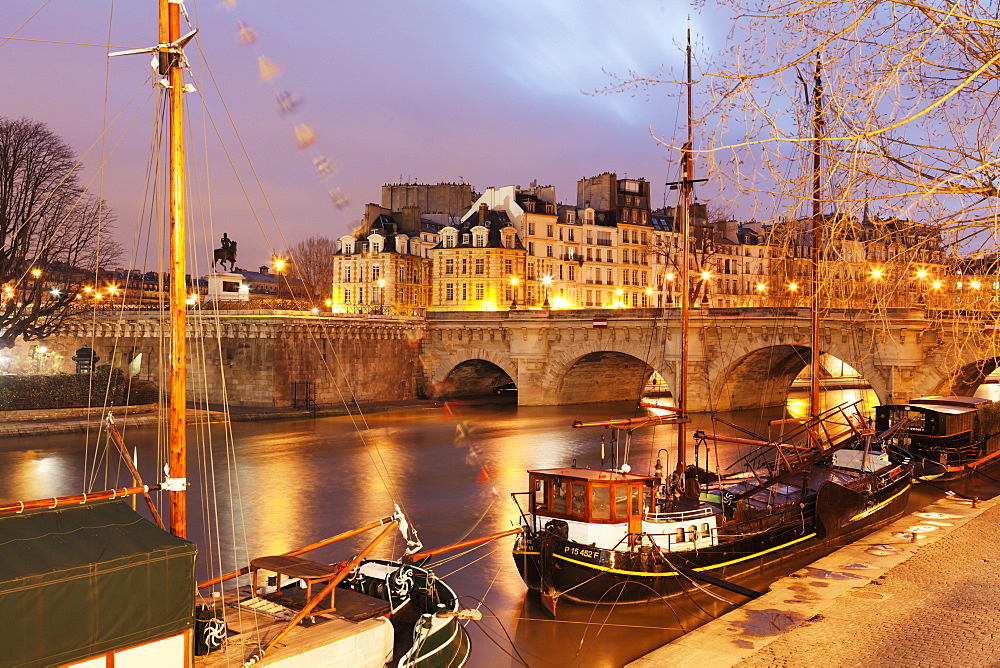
282 484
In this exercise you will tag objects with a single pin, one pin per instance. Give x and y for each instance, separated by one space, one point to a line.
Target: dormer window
529 206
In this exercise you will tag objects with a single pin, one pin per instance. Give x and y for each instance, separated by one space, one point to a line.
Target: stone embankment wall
254 360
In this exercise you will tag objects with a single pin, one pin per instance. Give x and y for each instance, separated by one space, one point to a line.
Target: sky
486 93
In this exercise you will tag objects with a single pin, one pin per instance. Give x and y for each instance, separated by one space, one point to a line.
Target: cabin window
541 495
706 531
621 502
579 499
634 493
558 496
679 535
600 502
647 499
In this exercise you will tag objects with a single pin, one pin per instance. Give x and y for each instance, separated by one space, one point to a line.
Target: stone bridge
739 358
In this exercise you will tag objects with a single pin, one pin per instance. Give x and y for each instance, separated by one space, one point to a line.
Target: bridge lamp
649 291
619 292
922 273
98 296
279 264
761 287
36 272
876 273
975 285
514 280
792 287
55 292
936 285
705 275
88 289
546 282
315 310
112 289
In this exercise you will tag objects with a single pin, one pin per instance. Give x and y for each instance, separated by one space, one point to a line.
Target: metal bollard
975 502
913 536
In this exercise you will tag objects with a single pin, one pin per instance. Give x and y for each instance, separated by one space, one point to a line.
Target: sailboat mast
171 67
817 222
685 218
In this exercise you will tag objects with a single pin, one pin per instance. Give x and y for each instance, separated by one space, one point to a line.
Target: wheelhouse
606 508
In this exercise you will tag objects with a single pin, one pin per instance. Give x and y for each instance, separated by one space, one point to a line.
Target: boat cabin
934 422
603 508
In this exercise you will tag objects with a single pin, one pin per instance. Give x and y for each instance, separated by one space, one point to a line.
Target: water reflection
284 484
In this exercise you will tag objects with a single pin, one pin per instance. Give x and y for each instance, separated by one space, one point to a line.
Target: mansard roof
495 223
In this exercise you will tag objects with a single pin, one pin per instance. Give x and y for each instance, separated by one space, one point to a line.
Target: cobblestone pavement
938 608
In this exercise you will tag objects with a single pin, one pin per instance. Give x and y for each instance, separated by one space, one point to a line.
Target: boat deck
791 489
359 627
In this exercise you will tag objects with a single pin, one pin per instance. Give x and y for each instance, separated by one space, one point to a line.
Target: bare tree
55 233
908 117
312 263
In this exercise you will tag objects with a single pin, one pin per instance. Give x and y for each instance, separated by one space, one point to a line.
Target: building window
449 266
479 291
376 272
465 292
347 274
625 277
508 266
465 266
548 251
548 231
572 273
449 292
570 235
347 295
531 229
480 240
480 266
624 236
571 218
531 248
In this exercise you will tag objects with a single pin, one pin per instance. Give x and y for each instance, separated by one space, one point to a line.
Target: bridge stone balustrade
739 358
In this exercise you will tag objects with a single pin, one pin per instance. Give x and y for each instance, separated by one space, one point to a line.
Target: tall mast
814 340
171 58
685 218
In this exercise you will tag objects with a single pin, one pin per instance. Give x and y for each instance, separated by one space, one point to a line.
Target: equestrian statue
226 254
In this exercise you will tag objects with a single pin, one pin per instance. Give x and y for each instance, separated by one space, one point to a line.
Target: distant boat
948 436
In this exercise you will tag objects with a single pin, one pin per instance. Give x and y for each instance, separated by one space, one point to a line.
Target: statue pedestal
224 286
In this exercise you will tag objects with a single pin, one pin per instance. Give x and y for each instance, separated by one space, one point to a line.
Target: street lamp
514 280
546 282
381 292
670 287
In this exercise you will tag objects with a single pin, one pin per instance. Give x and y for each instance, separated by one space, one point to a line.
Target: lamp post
381 290
514 280
546 282
705 275
670 288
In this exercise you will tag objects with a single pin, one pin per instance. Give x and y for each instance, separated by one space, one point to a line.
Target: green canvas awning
83 580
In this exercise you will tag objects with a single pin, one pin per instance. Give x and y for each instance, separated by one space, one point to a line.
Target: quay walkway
884 600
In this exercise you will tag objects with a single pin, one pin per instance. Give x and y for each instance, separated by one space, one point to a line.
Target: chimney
483 209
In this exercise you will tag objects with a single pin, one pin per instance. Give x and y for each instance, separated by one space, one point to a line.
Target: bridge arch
594 371
476 371
755 377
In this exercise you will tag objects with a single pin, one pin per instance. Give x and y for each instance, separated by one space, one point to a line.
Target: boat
948 437
93 582
612 536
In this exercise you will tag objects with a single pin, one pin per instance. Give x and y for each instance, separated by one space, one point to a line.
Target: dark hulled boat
615 537
947 436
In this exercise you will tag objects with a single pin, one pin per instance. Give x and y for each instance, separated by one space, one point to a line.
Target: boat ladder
263 606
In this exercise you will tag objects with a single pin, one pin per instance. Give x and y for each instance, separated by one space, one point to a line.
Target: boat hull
563 569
